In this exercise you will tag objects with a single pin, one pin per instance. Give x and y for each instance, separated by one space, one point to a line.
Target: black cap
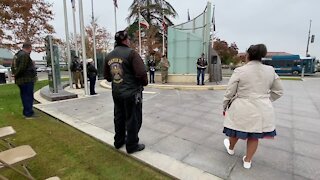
121 36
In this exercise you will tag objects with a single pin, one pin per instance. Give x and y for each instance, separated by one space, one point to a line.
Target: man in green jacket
25 75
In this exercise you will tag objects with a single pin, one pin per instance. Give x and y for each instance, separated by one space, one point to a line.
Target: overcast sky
280 24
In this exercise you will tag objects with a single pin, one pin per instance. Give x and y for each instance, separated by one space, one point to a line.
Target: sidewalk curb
175 87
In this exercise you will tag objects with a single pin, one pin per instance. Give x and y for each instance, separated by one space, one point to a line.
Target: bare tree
103 38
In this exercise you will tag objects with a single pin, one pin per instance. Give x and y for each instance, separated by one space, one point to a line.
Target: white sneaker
246 165
226 143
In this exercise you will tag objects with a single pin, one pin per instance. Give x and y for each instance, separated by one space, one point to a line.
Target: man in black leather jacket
126 70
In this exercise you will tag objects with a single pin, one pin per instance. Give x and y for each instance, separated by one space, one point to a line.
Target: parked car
41 69
48 69
4 70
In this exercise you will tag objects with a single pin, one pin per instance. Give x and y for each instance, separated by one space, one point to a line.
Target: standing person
25 75
152 67
92 75
73 71
248 110
77 70
81 75
164 66
201 68
126 70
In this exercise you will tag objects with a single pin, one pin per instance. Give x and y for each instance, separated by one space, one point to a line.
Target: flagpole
94 38
115 19
307 51
67 40
213 25
139 31
84 56
75 30
163 23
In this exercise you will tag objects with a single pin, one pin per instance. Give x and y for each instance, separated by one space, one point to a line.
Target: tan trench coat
251 89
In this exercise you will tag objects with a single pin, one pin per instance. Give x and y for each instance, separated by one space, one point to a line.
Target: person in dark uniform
201 68
152 68
126 70
92 75
25 75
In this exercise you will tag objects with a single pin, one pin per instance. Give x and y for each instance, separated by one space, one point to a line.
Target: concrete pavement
182 131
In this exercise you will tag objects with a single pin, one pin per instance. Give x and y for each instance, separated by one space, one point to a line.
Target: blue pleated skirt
246 135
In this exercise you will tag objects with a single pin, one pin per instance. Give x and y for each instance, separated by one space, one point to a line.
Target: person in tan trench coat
248 101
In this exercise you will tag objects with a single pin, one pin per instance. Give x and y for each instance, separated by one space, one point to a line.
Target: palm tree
152 11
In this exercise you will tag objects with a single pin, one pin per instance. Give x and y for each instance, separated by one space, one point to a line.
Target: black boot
139 147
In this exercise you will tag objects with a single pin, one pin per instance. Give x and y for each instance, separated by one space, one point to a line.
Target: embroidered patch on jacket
116 70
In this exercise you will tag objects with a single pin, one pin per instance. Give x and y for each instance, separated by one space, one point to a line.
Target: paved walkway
182 131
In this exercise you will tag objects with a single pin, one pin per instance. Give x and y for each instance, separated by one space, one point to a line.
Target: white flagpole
163 46
84 56
94 38
115 19
67 40
75 30
213 25
139 31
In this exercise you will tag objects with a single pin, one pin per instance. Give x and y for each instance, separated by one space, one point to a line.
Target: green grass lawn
291 78
62 150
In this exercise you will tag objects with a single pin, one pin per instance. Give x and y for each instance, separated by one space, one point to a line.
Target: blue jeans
26 94
151 76
200 72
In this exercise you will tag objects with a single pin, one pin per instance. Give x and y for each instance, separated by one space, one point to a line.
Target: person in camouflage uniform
76 69
164 66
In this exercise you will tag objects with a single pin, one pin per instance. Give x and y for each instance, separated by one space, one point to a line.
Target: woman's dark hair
257 52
